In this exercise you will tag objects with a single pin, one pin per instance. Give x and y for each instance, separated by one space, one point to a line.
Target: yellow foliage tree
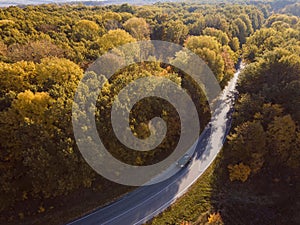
185 223
58 71
215 218
209 49
138 28
32 106
282 133
239 172
85 29
114 38
112 16
16 77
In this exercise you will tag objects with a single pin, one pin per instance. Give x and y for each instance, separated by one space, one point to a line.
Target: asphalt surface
146 202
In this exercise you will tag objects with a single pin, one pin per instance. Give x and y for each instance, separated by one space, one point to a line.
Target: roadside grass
194 206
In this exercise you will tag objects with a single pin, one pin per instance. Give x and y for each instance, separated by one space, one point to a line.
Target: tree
215 218
220 35
16 77
257 18
234 44
229 58
216 21
114 38
250 53
268 113
34 51
85 29
293 9
247 21
137 28
239 30
247 106
142 112
248 144
126 8
291 20
112 16
239 172
294 158
210 51
175 31
291 103
111 20
197 27
52 71
200 42
281 138
3 51
185 223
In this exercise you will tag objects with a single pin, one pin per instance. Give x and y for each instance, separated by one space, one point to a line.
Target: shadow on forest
259 200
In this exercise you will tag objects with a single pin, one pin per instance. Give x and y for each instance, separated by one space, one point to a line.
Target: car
183 161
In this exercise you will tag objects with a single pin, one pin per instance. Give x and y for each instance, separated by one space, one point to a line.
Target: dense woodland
264 147
44 51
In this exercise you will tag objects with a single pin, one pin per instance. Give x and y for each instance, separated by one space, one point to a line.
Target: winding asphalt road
144 203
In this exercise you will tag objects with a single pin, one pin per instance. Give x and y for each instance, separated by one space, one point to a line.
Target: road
144 203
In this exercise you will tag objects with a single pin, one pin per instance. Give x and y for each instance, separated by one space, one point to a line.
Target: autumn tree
209 50
16 77
34 51
138 28
114 38
85 29
111 20
215 218
220 35
53 71
175 31
248 144
239 172
234 44
281 138
197 27
239 30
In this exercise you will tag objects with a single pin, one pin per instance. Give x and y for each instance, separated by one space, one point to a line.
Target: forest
45 51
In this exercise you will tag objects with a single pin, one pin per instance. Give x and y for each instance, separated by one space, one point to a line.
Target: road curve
144 203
